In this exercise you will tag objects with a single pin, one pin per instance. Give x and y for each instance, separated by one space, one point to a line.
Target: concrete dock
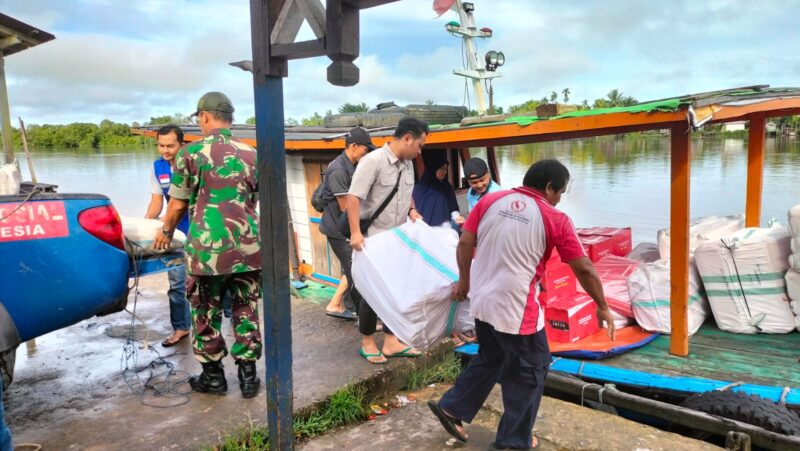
69 392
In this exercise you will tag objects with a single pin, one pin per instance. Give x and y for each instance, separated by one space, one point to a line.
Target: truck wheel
7 359
751 409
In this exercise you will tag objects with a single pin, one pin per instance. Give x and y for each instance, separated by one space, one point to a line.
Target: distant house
771 127
735 126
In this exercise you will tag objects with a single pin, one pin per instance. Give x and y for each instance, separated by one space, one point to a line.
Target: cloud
128 61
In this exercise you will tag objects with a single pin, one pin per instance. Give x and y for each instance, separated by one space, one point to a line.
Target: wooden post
681 149
491 160
755 170
5 114
274 206
24 137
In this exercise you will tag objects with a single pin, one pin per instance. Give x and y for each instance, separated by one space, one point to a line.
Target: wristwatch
168 233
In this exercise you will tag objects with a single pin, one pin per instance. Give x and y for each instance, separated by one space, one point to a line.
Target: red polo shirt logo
517 205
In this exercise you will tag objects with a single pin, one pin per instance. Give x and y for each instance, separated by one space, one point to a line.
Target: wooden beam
755 170
5 114
299 50
681 149
342 42
273 209
288 24
491 161
314 12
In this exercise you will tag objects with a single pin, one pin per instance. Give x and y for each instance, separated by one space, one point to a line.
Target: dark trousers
341 248
368 320
519 363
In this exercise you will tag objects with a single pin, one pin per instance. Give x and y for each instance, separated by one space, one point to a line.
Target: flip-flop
367 356
405 353
167 343
347 314
449 423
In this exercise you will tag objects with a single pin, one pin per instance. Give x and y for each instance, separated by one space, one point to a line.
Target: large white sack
701 231
743 275
406 275
793 290
139 234
10 179
650 292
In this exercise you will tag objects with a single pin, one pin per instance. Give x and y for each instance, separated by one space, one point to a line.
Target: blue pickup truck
62 260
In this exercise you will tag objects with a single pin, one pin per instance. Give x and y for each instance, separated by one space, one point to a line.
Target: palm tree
615 97
553 97
565 92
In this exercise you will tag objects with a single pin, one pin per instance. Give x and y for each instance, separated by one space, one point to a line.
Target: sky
129 61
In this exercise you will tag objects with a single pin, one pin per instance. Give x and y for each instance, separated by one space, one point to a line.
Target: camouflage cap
214 101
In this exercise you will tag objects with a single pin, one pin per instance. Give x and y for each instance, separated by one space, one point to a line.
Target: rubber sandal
347 314
367 356
167 343
449 423
404 353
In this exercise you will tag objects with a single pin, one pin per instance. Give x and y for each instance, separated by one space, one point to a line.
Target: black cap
475 168
359 135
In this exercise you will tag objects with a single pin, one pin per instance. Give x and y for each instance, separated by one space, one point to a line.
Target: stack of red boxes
571 315
614 272
602 241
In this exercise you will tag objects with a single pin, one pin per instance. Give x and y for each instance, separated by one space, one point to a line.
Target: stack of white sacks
793 274
140 232
743 275
649 285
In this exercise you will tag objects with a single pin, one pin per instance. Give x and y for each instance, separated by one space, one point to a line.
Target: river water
616 181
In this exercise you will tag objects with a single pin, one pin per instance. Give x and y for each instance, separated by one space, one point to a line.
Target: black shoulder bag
343 223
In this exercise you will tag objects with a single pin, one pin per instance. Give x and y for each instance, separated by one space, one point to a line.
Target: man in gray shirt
336 184
373 182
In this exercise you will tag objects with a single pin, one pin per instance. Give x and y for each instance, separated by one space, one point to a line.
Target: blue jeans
178 304
5 433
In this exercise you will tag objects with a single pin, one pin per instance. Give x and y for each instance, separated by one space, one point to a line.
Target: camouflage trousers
205 297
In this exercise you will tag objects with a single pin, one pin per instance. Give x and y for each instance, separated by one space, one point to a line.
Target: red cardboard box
558 282
621 237
614 272
597 246
568 320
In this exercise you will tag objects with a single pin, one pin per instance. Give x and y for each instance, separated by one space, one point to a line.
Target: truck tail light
103 222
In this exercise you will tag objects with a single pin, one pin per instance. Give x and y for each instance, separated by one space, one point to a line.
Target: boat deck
764 359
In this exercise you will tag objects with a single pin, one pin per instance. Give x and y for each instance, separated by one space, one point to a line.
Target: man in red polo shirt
515 232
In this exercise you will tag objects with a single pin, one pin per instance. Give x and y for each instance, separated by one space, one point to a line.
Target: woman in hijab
434 197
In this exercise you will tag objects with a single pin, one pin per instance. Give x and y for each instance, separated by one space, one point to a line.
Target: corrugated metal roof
16 36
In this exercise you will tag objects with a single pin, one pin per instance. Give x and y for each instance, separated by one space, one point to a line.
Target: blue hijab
434 198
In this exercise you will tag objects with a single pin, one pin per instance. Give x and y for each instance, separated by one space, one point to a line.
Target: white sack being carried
743 275
10 179
703 230
794 229
407 274
793 290
651 294
139 234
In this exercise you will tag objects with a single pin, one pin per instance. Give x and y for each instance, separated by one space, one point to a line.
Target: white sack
10 179
701 231
743 275
793 290
406 275
650 292
794 229
645 253
139 234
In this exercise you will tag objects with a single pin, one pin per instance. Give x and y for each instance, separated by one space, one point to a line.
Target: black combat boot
211 380
248 379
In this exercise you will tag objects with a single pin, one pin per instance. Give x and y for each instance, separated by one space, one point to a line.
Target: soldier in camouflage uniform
216 179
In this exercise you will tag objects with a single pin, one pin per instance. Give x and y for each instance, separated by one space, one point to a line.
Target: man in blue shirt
170 139
480 181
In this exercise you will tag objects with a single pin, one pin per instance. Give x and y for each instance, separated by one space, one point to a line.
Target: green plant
445 371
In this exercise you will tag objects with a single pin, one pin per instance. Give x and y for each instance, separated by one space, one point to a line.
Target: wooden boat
671 367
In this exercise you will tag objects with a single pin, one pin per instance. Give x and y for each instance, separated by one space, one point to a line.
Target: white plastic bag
139 234
702 230
10 179
406 275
